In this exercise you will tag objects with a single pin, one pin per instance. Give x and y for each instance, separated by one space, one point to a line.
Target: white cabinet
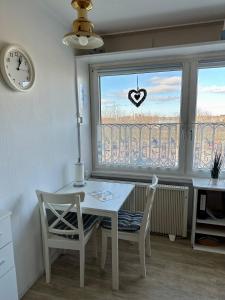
8 285
207 226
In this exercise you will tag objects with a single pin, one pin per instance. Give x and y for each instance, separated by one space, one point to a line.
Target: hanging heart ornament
137 97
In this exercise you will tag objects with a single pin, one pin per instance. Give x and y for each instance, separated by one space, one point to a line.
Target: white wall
37 129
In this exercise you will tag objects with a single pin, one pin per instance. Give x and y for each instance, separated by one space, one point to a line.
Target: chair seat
88 222
127 221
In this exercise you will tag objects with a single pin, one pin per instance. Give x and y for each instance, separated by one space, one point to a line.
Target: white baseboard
53 256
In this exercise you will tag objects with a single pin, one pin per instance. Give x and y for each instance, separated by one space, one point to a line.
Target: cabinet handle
2 262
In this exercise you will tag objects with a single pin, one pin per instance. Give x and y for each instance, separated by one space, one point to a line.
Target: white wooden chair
133 227
65 229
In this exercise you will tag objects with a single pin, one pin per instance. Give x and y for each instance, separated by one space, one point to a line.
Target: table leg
115 259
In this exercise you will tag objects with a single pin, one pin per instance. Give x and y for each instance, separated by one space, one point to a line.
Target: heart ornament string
138 96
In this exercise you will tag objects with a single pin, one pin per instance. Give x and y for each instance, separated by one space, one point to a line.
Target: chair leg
142 256
148 242
47 265
104 250
82 266
95 243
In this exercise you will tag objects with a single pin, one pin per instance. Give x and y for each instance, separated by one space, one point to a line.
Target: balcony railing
139 145
209 138
157 145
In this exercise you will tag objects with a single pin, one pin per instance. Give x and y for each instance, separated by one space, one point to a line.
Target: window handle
191 134
2 262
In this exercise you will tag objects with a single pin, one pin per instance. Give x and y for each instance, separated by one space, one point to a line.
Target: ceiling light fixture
82 36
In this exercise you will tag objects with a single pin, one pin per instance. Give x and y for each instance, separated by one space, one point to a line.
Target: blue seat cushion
127 221
88 222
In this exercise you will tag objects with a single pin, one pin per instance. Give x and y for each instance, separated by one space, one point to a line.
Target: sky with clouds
211 91
163 93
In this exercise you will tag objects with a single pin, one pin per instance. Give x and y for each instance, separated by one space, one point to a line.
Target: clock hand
20 62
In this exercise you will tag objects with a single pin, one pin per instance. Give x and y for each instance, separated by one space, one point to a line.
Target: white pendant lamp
82 36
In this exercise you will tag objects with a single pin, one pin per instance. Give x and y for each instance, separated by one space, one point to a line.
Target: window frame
196 64
189 66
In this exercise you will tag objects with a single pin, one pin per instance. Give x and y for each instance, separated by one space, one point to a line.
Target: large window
144 136
210 116
178 128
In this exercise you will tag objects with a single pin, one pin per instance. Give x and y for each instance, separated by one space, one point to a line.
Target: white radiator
169 212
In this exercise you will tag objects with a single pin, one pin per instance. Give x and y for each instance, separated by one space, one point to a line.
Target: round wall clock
17 68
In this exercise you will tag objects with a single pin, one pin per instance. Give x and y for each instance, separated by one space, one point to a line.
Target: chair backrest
150 195
70 201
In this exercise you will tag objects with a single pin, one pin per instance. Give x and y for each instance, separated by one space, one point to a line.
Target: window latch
79 119
191 134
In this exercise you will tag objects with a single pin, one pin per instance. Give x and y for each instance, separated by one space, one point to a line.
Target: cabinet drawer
5 232
6 259
8 286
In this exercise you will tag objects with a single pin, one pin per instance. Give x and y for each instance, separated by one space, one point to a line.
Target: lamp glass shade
82 41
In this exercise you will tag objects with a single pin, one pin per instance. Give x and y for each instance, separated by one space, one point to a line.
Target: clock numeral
9 75
16 54
8 59
28 78
14 79
25 63
11 54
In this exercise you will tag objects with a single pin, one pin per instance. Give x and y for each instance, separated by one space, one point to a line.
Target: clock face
17 68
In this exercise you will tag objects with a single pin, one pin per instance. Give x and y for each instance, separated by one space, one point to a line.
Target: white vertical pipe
78 115
79 166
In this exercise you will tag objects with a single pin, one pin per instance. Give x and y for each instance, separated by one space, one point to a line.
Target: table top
100 195
208 184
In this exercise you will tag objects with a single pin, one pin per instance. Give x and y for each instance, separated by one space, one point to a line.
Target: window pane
148 135
162 104
210 116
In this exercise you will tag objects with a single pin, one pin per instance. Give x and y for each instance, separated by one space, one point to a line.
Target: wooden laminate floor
174 272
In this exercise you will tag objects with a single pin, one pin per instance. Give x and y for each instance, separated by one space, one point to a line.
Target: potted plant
216 167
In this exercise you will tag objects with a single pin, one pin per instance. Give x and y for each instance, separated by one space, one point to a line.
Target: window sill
140 177
176 178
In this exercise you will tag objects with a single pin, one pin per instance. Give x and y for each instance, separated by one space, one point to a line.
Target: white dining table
104 199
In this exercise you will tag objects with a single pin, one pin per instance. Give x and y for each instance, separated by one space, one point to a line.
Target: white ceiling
111 16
